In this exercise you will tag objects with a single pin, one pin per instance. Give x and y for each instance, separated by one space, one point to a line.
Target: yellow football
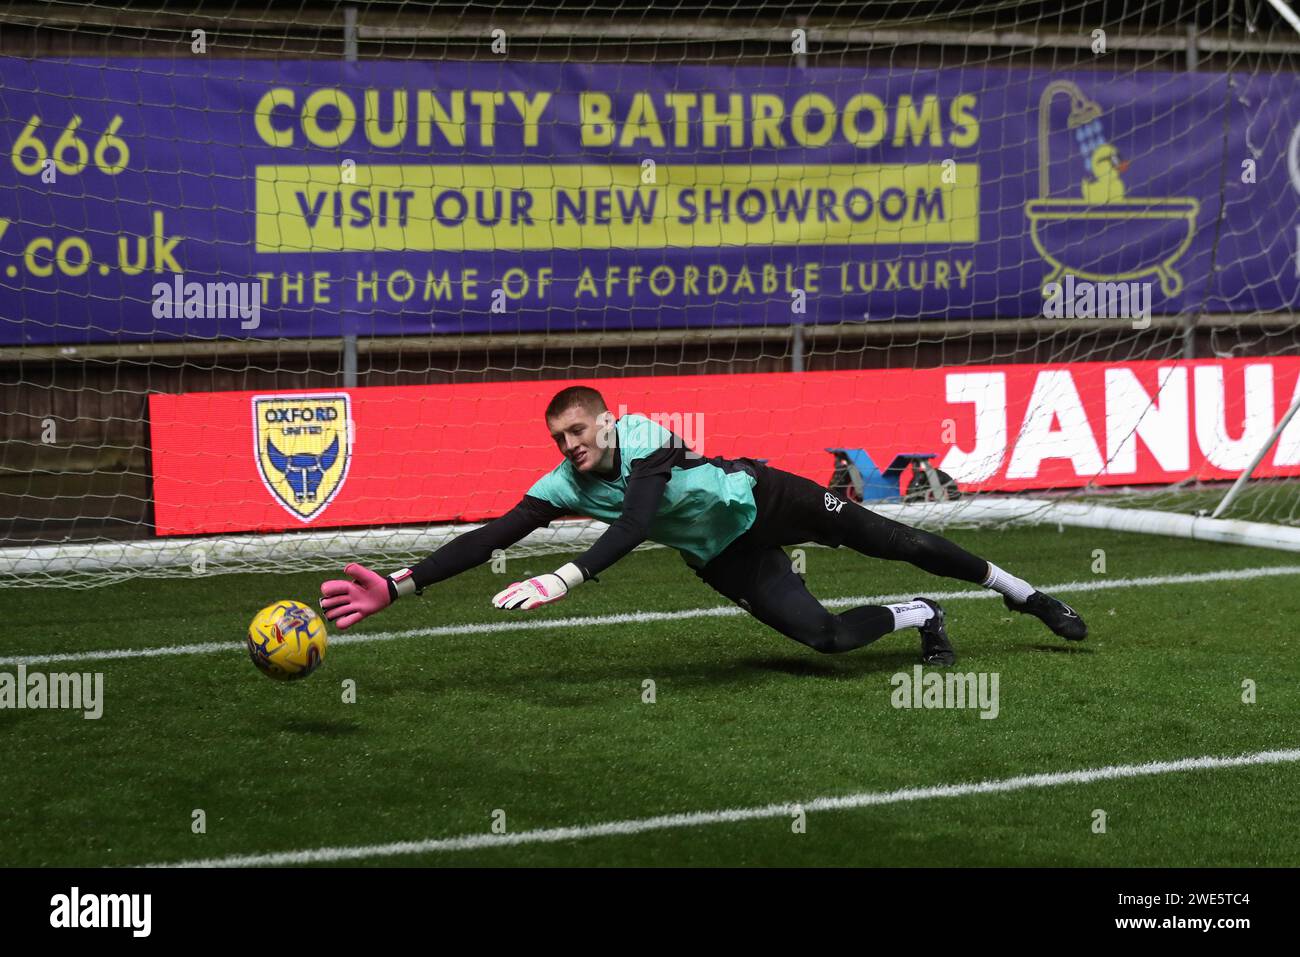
287 640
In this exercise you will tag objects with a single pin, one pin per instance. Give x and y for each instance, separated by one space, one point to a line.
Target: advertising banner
166 199
245 461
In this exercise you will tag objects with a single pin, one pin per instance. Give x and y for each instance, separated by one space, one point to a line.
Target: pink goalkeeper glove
347 602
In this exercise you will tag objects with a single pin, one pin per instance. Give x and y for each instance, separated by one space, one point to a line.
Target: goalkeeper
729 518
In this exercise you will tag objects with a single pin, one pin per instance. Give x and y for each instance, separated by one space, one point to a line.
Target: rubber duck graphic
1077 233
1105 185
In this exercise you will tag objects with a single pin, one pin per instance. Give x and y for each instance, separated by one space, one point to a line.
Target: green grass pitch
549 725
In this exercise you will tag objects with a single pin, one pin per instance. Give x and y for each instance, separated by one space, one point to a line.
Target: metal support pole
350 55
1193 61
350 34
796 321
1189 337
349 362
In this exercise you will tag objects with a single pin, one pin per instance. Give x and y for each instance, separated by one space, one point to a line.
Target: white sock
911 614
1017 589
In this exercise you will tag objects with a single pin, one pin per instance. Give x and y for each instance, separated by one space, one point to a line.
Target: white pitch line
643 617
467 842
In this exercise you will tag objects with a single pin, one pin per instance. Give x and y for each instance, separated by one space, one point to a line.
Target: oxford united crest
303 447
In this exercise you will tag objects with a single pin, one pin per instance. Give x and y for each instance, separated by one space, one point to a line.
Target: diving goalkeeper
729 518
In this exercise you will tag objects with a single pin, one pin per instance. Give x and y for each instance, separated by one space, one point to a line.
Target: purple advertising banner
201 199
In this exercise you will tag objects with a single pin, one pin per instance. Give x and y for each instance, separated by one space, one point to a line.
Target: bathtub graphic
1106 234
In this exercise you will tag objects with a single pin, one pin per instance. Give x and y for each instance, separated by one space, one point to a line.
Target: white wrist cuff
404 582
571 575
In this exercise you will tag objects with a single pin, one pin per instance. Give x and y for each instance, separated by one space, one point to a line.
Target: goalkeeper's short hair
588 398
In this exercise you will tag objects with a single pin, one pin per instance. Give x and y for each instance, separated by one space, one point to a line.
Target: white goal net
284 286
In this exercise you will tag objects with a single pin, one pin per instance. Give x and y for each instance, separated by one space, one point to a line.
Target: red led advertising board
229 462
